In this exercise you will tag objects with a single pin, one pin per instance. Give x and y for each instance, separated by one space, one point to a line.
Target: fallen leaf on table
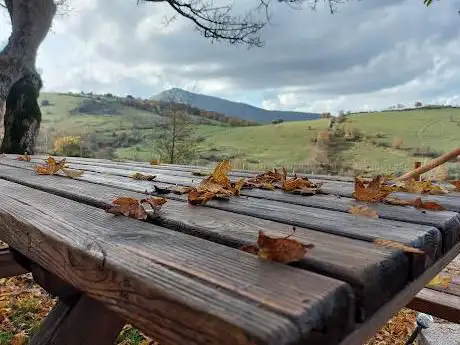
362 210
300 185
216 185
140 176
128 207
282 249
397 245
155 202
237 186
456 184
73 173
421 187
441 280
196 198
161 190
51 167
427 205
25 157
267 178
370 191
155 162
397 202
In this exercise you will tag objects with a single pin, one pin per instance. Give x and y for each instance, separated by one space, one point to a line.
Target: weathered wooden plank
425 237
374 273
440 304
84 321
173 169
447 222
367 329
8 266
179 288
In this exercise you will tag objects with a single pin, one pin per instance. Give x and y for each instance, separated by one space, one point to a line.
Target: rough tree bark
19 81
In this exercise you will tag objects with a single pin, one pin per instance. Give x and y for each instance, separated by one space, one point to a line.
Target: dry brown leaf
219 175
398 202
370 191
362 210
128 207
197 198
237 186
155 202
427 205
397 245
297 184
25 157
456 184
283 249
51 167
140 176
155 162
73 173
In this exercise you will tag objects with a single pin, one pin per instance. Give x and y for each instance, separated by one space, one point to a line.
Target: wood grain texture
375 273
447 222
179 288
440 304
79 322
425 237
8 265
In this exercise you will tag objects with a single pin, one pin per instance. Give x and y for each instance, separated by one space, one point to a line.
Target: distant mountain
235 109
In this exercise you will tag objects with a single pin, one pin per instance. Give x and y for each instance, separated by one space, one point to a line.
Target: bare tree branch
218 23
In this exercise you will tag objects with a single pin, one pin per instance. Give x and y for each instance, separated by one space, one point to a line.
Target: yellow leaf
441 280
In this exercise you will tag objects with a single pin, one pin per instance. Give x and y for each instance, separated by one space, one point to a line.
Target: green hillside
366 142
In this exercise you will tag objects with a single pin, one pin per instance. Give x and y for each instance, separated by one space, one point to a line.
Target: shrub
397 143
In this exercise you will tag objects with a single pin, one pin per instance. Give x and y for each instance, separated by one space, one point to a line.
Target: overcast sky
369 55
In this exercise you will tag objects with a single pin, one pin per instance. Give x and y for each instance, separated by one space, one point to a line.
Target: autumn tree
31 20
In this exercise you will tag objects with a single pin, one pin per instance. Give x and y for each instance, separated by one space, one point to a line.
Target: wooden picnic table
180 277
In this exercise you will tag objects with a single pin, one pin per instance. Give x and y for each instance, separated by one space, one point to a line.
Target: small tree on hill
177 142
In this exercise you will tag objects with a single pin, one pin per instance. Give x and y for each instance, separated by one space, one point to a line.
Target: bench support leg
79 320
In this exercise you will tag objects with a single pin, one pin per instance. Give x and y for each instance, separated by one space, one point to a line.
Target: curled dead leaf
370 191
51 167
427 205
397 202
397 245
140 176
197 198
422 187
362 210
25 157
73 173
155 202
282 249
128 207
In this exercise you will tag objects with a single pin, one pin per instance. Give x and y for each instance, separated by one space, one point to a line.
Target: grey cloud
366 47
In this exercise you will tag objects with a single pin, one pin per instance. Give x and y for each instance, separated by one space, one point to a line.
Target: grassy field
130 134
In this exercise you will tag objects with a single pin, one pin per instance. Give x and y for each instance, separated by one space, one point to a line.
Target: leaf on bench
441 280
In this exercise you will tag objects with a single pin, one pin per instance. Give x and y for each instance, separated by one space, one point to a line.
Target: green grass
288 143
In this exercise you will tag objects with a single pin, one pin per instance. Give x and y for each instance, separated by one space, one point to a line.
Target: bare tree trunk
19 81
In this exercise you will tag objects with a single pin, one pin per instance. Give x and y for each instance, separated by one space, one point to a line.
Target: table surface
180 276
